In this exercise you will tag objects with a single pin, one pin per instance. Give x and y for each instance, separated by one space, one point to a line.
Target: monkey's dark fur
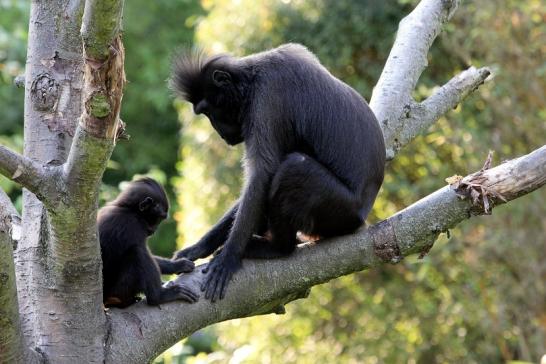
128 266
314 160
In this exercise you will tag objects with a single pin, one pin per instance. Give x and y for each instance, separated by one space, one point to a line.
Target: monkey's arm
251 207
174 266
212 240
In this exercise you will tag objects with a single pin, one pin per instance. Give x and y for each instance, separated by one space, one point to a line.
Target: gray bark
11 339
402 118
58 261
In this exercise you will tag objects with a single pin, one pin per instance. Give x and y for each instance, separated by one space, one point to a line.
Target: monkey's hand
219 272
183 293
183 265
192 253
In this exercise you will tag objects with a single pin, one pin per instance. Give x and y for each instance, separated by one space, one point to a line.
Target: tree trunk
60 300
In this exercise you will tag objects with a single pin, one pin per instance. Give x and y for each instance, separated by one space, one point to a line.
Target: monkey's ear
145 204
221 78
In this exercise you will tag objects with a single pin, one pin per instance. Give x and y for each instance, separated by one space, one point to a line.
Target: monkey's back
330 120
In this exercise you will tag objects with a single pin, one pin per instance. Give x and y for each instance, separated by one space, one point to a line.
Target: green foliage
152 30
13 35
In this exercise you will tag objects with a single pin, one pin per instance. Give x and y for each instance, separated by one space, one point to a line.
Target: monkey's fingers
212 284
209 276
211 264
219 285
187 294
225 282
188 253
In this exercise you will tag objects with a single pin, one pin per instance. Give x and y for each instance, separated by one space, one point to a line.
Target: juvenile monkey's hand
183 265
181 292
191 253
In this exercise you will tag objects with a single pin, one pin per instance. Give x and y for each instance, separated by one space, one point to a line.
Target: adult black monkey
128 266
314 160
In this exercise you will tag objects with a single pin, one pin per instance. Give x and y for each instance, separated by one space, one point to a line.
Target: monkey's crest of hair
187 75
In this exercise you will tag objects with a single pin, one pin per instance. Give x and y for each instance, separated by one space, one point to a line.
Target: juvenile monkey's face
154 210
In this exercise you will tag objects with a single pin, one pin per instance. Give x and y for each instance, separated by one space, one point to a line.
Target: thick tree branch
74 219
139 333
391 100
29 174
104 79
59 264
11 339
101 25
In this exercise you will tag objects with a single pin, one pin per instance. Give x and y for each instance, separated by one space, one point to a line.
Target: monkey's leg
123 291
212 240
305 196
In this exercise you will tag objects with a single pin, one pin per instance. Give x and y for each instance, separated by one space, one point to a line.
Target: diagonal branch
104 78
418 117
11 339
29 174
101 25
139 333
74 220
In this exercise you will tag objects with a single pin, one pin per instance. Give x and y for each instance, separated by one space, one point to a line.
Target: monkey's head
147 199
216 87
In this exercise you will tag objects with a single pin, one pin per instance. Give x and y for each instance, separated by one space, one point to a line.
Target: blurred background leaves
478 297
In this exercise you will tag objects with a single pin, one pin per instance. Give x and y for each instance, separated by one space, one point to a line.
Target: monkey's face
222 119
216 87
154 211
221 102
146 198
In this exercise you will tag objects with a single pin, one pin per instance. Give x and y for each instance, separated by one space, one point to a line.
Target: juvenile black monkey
314 156
128 266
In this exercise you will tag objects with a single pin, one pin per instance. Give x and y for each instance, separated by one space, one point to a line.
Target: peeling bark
103 92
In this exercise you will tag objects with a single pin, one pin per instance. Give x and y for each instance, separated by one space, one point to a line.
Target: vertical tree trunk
60 305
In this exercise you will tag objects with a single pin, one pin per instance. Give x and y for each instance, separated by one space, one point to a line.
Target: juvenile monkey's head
147 198
217 87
